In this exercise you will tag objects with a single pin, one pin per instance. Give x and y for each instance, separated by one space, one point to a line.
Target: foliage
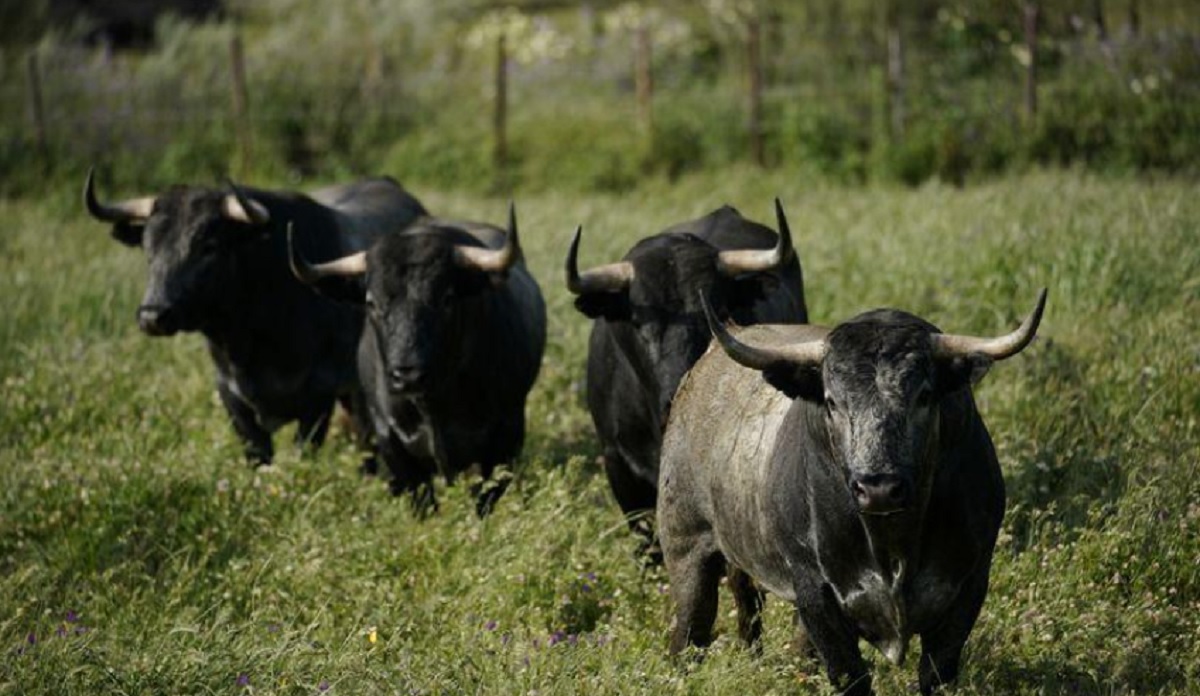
407 88
139 554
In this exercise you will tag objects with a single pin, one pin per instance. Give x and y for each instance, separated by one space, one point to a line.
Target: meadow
139 554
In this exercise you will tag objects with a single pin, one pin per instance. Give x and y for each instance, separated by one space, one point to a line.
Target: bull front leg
313 426
256 441
830 633
408 474
695 575
749 600
941 647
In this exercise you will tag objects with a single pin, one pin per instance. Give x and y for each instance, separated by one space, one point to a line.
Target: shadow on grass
1140 672
139 534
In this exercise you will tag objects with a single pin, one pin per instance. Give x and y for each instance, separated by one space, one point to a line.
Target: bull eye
924 397
831 405
369 301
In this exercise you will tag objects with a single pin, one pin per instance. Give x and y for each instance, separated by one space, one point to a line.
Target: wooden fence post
643 79
1098 18
37 111
500 115
1031 28
241 99
755 84
895 73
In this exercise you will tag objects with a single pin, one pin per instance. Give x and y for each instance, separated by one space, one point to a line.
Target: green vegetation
139 554
408 87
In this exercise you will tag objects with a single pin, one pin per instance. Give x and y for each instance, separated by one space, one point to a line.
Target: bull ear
128 233
613 306
961 372
796 382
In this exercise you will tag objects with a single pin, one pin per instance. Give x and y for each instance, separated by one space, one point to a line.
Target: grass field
140 555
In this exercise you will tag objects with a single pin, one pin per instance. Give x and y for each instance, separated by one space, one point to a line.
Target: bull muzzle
406 379
157 320
881 494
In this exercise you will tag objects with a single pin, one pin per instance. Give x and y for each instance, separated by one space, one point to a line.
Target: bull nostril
404 376
880 493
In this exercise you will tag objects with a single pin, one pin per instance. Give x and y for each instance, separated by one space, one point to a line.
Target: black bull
847 471
453 344
649 328
218 265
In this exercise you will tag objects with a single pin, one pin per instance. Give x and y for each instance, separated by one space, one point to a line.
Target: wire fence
85 104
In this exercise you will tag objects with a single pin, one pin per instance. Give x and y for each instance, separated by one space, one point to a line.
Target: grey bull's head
413 286
192 237
880 380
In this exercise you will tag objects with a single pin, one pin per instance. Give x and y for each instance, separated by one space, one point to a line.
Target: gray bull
847 471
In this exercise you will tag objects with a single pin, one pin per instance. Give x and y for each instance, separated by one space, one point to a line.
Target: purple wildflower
586 588
273 628
590 576
490 625
243 679
72 617
31 639
61 631
573 640
323 686
80 630
505 638
556 638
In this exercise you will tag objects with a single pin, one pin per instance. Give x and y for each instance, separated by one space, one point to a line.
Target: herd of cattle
846 470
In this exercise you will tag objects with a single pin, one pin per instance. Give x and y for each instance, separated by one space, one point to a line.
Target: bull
847 471
453 343
218 265
649 329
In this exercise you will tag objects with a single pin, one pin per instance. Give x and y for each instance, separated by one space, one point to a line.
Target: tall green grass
139 554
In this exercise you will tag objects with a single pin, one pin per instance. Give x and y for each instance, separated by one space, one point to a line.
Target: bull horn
352 265
242 208
493 260
738 261
613 277
998 348
134 209
804 354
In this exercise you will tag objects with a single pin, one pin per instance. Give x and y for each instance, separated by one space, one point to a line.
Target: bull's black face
664 330
192 252
414 296
880 389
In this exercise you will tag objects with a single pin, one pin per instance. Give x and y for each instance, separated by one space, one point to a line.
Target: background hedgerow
139 554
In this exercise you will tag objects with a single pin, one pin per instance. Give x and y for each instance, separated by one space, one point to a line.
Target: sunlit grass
138 554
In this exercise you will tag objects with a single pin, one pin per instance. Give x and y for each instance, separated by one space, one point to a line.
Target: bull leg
834 638
695 576
636 499
408 476
313 427
355 405
488 491
941 648
504 444
749 600
801 645
256 442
